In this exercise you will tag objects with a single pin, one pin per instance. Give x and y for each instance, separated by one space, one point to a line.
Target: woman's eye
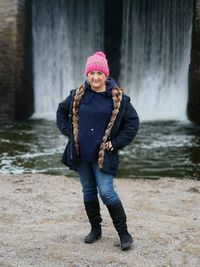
99 73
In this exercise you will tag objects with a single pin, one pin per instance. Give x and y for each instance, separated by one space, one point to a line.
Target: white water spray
155 56
155 52
65 33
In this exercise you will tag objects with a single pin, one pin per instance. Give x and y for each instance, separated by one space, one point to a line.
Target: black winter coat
123 132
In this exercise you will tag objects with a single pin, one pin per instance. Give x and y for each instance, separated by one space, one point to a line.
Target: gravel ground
43 223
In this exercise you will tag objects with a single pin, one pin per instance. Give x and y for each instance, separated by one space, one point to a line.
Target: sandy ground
43 223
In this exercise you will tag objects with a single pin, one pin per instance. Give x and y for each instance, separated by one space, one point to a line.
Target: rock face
16 94
194 69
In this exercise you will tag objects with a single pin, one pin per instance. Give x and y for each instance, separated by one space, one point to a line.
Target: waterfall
155 56
65 33
155 52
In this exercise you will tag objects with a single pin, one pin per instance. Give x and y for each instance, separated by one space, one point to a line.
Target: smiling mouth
95 82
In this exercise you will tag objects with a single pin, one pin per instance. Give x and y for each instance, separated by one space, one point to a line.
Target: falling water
64 34
155 56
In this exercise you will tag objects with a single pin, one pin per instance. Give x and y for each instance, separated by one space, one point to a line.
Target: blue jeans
93 181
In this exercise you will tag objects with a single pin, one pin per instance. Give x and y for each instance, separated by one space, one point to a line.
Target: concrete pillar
113 35
194 68
14 96
8 12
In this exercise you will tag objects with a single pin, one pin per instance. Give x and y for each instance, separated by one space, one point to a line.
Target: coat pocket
111 159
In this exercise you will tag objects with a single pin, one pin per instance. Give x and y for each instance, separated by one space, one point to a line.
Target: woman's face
97 79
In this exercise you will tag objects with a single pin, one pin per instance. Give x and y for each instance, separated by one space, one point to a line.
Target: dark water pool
162 148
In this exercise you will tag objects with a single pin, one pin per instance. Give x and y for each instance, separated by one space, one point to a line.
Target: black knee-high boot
118 216
93 212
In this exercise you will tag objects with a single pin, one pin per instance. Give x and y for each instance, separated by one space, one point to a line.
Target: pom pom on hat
97 62
99 53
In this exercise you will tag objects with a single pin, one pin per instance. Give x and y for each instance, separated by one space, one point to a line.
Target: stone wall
194 68
8 10
14 98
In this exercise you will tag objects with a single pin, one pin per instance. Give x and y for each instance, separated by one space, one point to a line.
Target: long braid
117 97
75 114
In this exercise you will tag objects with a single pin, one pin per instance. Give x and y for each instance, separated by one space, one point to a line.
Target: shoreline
43 223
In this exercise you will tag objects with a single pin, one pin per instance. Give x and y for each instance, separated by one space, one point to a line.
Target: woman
98 119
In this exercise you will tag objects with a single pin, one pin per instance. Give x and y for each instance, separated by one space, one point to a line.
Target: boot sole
127 246
90 242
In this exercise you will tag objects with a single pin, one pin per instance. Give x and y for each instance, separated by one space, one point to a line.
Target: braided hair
75 114
116 97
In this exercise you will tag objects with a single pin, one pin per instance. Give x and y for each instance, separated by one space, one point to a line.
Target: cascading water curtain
155 56
65 33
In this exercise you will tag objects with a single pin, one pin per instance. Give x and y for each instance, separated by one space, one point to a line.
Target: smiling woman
97 73
98 119
97 79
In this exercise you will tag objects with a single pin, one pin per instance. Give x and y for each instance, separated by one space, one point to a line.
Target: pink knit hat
97 61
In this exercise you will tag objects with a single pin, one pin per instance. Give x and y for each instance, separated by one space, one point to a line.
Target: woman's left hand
108 146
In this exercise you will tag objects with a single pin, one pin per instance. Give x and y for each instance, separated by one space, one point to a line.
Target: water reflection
161 149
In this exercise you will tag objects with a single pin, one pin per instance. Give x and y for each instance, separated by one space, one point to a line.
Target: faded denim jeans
94 181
